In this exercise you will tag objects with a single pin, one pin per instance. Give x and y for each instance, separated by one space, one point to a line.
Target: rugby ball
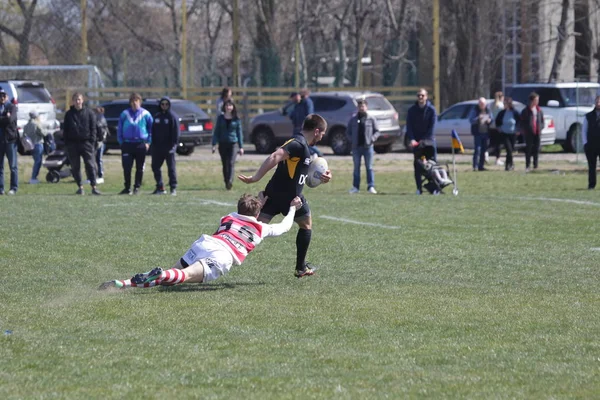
317 167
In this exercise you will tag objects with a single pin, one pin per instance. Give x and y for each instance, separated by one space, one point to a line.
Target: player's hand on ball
326 177
296 202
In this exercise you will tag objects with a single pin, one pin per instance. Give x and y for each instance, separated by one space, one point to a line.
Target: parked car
567 102
457 117
31 96
271 129
195 125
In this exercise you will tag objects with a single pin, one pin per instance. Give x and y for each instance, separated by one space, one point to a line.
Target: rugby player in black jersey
292 160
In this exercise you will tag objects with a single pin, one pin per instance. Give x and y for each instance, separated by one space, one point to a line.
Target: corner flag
456 143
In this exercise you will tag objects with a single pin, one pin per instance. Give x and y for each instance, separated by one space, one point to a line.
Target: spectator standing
532 123
303 108
481 118
101 135
33 130
420 121
79 134
165 138
496 137
134 134
228 134
225 95
591 141
507 123
8 142
362 132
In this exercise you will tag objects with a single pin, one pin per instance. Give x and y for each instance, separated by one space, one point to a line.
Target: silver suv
32 96
273 128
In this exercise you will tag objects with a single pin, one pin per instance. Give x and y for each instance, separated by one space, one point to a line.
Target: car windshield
33 94
187 108
579 96
376 103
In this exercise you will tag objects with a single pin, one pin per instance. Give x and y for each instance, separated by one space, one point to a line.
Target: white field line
581 202
350 221
197 202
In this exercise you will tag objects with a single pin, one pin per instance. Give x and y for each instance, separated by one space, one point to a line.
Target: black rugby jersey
290 175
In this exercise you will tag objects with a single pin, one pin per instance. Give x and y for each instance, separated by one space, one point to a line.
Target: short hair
76 95
134 96
362 101
314 121
422 90
498 95
249 205
234 112
509 102
533 96
100 110
225 92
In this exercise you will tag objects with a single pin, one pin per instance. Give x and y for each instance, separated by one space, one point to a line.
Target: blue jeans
10 150
99 162
481 144
38 151
367 153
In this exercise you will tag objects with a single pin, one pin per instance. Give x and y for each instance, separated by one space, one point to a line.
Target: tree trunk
563 36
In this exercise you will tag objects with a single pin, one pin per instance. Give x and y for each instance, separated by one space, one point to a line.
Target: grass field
490 294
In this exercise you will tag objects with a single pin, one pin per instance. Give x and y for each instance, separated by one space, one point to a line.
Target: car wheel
264 141
52 176
573 136
185 150
339 142
383 149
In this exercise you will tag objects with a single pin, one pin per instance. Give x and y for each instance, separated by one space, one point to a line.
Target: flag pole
455 190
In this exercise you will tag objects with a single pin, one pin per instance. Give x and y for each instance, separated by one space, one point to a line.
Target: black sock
302 243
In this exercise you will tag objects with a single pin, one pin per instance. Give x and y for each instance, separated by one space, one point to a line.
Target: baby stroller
55 162
435 176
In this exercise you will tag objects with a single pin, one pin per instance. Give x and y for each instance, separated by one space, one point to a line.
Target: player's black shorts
281 205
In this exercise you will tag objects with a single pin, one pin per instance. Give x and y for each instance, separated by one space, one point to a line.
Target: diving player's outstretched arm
275 158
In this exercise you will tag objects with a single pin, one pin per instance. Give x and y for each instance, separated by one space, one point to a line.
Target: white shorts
213 255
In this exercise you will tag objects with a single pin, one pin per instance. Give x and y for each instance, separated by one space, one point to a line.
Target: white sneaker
499 162
353 190
446 182
100 180
33 181
372 190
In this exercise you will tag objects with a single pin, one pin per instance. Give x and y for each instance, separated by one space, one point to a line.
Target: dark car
194 124
273 128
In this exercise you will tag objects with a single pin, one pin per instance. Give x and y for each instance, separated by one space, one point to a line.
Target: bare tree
23 37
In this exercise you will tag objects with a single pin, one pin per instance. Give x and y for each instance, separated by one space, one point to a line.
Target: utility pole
183 49
84 43
236 43
436 54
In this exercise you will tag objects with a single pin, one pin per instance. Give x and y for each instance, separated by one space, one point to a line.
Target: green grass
490 294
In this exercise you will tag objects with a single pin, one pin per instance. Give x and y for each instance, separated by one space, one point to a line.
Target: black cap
2 92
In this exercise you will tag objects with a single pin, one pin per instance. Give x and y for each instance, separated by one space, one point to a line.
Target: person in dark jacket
303 107
532 123
420 121
507 123
481 118
79 134
8 142
362 132
228 134
165 138
101 135
591 141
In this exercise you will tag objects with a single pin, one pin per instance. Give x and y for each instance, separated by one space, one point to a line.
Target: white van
566 102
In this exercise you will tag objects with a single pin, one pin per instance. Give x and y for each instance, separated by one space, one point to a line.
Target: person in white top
212 256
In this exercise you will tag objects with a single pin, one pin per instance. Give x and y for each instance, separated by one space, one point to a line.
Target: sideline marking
349 221
595 249
582 202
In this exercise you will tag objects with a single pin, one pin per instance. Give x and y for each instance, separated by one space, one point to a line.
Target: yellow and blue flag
456 143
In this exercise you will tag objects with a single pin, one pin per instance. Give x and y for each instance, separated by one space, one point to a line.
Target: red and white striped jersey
241 234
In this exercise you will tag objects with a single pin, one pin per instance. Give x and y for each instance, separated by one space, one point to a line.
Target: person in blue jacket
303 107
420 121
228 134
165 138
134 134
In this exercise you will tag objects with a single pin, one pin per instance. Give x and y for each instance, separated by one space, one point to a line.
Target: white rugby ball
317 167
